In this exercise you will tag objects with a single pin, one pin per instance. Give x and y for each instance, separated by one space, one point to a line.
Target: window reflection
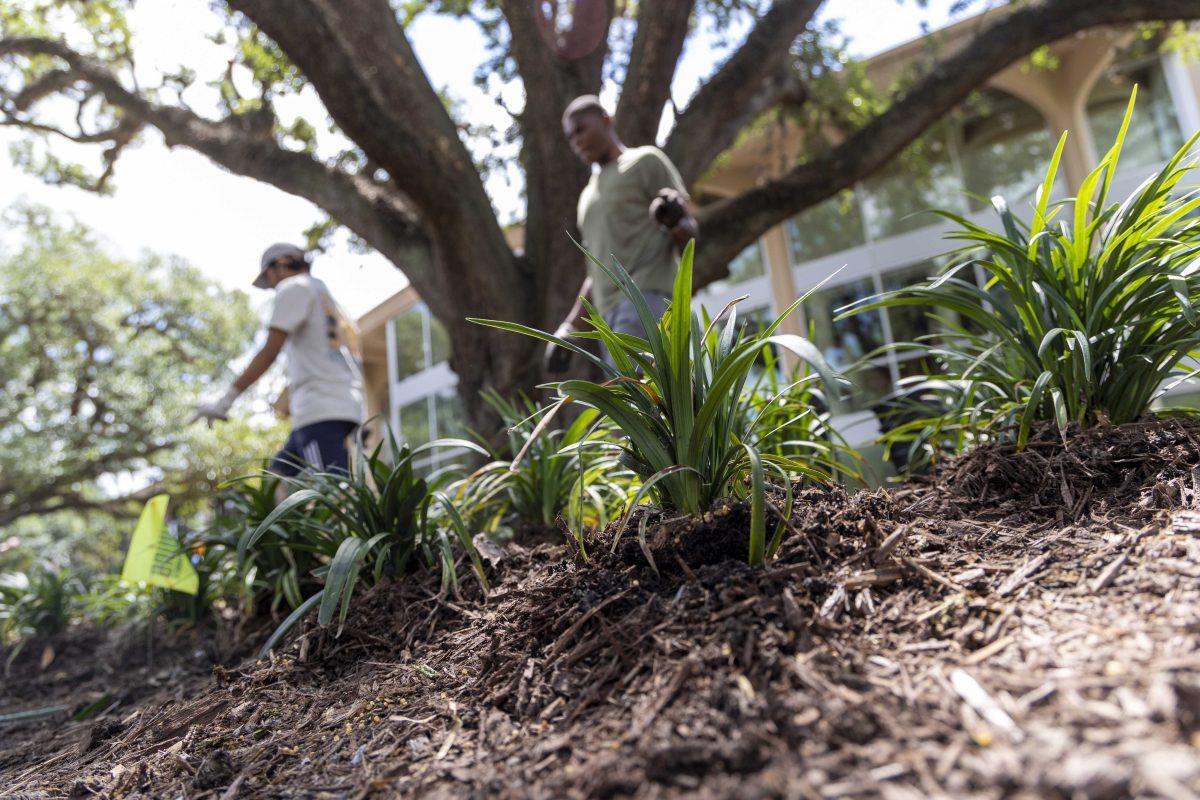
410 343
439 342
828 227
415 423
1154 134
448 415
748 264
421 341
1004 147
845 342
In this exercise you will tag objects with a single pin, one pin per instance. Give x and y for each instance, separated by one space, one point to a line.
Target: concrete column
1183 81
778 255
1061 95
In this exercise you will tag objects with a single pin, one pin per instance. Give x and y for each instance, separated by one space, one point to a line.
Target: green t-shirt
614 218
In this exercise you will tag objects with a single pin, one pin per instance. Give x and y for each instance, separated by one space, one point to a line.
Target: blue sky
176 201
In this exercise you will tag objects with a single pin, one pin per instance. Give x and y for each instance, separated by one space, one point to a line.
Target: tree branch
242 144
731 225
751 80
356 55
662 27
553 175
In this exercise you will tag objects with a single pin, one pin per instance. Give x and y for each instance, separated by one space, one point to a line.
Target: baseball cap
270 255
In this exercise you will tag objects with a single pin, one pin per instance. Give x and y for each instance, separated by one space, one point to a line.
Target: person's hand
556 359
667 208
218 409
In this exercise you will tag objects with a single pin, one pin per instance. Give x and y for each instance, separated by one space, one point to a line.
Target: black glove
667 208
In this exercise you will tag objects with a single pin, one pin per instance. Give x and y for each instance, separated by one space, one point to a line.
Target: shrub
349 530
539 474
39 602
1076 323
793 417
678 397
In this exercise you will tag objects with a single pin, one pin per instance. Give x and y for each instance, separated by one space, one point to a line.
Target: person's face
277 270
590 135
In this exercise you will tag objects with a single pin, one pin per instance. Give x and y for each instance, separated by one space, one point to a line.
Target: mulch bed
949 638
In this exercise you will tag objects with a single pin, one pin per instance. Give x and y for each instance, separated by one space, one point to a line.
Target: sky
177 202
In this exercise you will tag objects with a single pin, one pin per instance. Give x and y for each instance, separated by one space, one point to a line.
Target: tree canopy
101 361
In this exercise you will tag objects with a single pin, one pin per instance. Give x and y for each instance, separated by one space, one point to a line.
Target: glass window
751 321
844 342
746 265
449 415
414 423
909 323
829 227
439 342
922 178
1154 134
410 343
1004 148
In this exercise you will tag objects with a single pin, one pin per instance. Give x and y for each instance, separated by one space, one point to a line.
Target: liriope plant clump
336 533
537 476
678 397
1086 313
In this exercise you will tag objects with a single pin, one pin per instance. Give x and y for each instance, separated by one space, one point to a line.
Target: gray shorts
623 317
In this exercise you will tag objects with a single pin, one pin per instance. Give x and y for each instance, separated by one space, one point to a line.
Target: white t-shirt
324 377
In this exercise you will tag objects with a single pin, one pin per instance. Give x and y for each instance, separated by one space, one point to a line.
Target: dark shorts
320 446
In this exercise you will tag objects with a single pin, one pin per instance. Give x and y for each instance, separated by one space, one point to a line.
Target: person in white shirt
324 376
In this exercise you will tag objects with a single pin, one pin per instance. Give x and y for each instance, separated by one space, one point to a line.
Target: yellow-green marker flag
154 555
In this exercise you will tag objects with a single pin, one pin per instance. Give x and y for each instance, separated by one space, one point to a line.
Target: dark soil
949 638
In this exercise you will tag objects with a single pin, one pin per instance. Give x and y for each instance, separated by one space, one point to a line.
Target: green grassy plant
358 529
1080 320
792 417
40 602
539 474
678 398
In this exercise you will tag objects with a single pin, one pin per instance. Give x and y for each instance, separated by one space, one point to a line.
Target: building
997 143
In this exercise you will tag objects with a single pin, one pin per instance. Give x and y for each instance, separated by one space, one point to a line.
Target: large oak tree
409 185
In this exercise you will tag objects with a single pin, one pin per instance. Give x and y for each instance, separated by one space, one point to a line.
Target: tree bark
753 79
662 28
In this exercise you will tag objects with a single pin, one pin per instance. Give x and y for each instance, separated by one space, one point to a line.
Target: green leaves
337 532
680 398
540 472
101 361
1074 323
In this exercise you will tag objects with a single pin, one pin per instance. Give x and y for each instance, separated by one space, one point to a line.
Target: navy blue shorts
320 446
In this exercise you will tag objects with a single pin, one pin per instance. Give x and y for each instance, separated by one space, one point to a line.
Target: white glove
555 359
216 409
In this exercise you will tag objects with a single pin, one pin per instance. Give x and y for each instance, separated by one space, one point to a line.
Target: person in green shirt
635 209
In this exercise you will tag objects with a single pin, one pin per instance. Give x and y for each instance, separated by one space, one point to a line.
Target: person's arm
262 360
670 205
575 317
219 409
557 359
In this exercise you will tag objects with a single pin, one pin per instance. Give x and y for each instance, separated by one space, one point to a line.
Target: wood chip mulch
950 638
